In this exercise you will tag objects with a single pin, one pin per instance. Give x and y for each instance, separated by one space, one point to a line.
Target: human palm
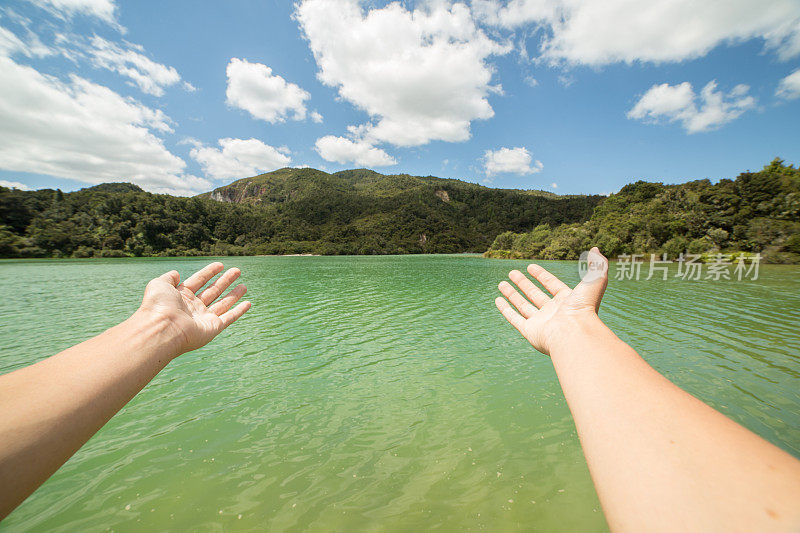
542 319
195 319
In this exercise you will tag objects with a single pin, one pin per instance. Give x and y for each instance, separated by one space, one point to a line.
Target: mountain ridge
356 179
306 210
359 211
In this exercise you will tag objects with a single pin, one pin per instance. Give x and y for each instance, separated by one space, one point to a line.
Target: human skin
660 459
50 409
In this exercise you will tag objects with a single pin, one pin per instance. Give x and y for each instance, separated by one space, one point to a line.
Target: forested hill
756 212
286 211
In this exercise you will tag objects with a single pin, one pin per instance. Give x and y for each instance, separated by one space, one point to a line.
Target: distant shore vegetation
288 211
307 211
758 212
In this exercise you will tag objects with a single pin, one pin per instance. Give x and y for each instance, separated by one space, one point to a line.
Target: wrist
574 329
152 333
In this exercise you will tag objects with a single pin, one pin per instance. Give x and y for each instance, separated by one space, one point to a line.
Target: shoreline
703 260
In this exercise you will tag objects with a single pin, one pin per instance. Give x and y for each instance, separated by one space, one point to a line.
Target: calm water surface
377 393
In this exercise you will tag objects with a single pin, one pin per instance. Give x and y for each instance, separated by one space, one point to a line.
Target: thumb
595 280
156 284
172 277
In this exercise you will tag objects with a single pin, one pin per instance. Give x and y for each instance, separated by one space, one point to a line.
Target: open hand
543 319
194 319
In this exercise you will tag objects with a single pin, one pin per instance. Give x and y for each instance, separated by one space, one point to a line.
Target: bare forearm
659 457
52 408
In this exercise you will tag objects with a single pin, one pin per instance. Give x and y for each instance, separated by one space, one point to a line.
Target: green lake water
377 393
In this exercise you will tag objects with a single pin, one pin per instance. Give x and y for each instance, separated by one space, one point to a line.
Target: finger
234 314
228 300
529 288
216 289
201 277
594 283
548 281
512 316
525 308
172 277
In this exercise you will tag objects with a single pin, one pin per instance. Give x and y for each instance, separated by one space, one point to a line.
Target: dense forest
756 212
364 212
282 212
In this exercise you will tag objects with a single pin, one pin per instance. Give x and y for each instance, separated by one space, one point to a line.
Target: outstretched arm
661 459
51 408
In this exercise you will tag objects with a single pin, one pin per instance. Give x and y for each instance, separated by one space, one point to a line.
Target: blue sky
564 95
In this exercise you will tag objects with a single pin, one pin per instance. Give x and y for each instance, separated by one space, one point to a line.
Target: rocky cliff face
279 186
221 195
239 194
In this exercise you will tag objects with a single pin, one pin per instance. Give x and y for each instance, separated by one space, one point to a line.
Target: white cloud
566 80
421 75
789 87
239 158
14 185
84 131
510 160
151 77
11 44
516 12
316 117
267 96
343 150
126 59
591 32
104 10
679 103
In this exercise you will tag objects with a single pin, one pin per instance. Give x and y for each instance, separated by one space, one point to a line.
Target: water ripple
378 393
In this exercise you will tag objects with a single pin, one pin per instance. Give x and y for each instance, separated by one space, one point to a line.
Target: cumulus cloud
510 160
104 10
589 32
343 150
14 185
789 87
696 113
84 131
239 158
267 96
149 76
421 75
